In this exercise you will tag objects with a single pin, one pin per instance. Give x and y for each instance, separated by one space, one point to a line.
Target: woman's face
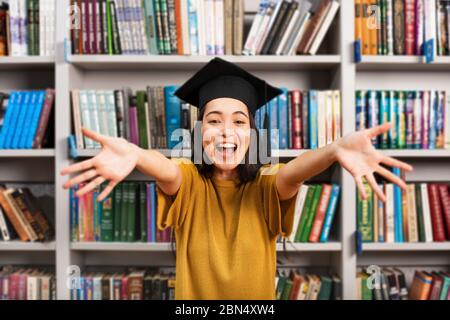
226 132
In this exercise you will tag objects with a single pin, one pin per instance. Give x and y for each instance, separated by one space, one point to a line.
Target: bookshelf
332 68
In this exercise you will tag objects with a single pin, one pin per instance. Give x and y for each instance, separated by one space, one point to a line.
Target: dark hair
246 171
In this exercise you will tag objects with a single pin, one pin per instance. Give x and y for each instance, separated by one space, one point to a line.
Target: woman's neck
225 174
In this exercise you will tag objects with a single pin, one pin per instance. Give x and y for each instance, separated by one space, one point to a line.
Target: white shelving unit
332 68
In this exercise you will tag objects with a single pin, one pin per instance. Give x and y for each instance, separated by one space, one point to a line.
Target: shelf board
28 62
416 153
27 153
326 246
419 246
138 246
173 62
120 246
402 63
85 153
17 245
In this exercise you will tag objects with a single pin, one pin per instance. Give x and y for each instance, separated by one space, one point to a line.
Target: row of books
151 118
434 285
202 27
391 284
403 27
26 119
22 217
134 284
290 27
20 283
421 119
165 27
291 284
315 208
422 214
148 118
27 28
128 214
303 119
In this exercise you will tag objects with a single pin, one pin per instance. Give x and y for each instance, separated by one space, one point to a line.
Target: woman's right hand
115 162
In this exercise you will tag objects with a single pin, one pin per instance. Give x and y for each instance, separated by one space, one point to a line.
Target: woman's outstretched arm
116 161
354 152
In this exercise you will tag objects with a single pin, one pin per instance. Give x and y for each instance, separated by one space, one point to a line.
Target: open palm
115 161
358 156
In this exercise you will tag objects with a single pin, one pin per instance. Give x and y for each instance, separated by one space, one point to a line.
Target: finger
392 177
93 135
107 190
90 186
396 163
375 187
377 130
80 178
84 165
361 188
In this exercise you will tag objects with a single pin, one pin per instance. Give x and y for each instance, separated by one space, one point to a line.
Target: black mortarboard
220 78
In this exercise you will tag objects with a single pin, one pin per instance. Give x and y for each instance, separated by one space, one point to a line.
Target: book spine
420 24
193 27
410 27
432 120
365 215
296 120
111 114
313 106
384 117
410 100
417 120
445 201
425 118
331 211
401 120
436 213
360 110
283 119
399 27
320 214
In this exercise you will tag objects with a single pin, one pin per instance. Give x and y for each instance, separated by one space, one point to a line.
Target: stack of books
21 216
403 27
27 119
27 28
420 119
128 214
156 118
290 27
391 284
202 27
291 284
422 214
132 284
315 208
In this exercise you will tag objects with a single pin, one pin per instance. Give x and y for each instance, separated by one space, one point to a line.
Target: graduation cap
220 78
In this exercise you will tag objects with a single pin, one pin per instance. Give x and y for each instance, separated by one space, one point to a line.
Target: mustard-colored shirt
225 235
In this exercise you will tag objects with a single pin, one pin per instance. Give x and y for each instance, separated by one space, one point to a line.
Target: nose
227 129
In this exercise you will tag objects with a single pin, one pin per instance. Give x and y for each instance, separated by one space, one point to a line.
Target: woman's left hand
358 156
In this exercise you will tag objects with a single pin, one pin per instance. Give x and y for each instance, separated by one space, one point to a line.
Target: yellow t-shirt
225 235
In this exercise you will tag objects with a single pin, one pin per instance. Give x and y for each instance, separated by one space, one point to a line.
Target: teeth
227 145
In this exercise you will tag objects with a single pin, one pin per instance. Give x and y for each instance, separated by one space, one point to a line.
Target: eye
240 122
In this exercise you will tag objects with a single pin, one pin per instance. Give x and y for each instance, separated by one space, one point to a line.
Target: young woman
227 212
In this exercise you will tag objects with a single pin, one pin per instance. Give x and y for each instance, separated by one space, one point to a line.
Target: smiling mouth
226 149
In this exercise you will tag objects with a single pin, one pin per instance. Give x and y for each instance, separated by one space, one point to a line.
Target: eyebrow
220 112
